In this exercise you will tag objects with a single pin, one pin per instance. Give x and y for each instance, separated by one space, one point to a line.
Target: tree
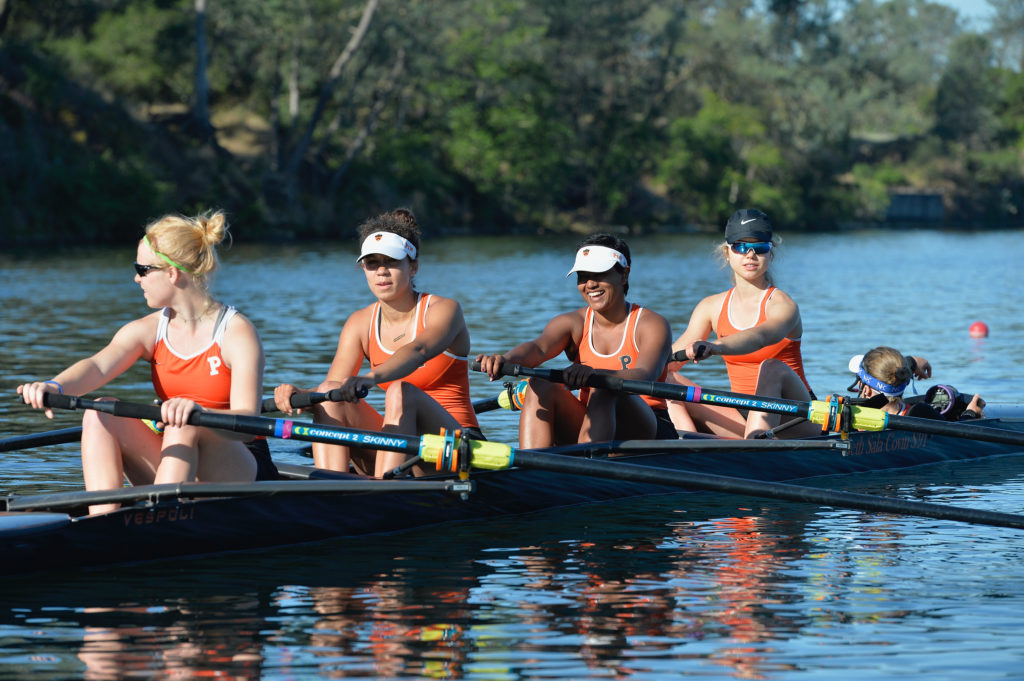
967 94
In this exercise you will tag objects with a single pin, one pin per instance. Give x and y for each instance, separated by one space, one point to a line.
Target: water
698 585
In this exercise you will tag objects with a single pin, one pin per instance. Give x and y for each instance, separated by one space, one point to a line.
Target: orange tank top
621 358
444 377
743 369
203 377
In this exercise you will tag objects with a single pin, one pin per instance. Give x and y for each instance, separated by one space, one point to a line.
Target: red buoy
979 330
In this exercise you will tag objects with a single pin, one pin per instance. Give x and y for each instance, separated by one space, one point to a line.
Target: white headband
389 244
597 259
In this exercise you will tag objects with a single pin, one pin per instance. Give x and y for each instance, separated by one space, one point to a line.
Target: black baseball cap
747 224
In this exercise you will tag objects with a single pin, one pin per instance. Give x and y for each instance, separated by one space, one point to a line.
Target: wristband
60 388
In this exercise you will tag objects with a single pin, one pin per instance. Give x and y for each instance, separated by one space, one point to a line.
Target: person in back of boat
758 332
417 346
610 336
883 374
204 355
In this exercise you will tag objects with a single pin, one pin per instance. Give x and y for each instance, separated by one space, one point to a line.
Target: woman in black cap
757 331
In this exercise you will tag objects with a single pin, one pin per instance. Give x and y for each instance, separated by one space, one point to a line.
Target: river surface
698 585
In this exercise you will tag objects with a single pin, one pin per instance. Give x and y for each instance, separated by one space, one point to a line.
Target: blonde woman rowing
203 355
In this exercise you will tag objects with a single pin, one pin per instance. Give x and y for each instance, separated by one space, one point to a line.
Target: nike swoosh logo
743 222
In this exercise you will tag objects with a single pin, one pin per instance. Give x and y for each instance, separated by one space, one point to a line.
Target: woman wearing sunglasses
203 356
757 331
416 345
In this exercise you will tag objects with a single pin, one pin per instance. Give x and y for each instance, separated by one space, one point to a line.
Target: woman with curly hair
416 344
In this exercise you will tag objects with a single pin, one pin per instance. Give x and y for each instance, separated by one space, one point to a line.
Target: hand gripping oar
825 413
303 400
447 449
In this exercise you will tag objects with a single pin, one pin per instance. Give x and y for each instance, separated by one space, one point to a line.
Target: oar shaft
303 400
252 425
816 411
52 437
670 391
771 490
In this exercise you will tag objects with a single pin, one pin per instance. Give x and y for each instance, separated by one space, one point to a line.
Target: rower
758 332
883 375
417 346
205 356
609 335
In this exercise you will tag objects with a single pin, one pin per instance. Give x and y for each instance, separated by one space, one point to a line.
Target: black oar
494 455
817 411
506 399
196 490
303 400
50 437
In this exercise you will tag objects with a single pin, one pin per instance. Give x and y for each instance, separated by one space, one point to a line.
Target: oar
817 411
50 437
303 400
494 455
510 397
196 490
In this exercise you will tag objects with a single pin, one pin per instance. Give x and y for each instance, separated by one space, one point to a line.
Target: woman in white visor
416 345
609 335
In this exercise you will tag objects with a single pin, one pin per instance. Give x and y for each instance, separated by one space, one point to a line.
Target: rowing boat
48 531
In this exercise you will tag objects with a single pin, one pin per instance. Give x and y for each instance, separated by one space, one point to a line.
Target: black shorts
265 468
666 429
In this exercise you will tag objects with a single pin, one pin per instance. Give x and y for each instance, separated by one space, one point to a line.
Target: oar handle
252 425
303 400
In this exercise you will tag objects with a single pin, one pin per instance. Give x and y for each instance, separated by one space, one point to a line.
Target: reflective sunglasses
143 270
758 247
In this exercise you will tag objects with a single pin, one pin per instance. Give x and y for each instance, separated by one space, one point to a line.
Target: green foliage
504 113
140 53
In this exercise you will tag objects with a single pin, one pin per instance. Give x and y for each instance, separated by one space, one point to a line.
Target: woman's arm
781 316
132 341
559 334
243 353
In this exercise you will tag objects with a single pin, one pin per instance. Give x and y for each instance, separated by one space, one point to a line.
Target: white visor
389 244
597 259
855 363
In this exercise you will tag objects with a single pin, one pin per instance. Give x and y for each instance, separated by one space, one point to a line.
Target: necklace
404 328
193 320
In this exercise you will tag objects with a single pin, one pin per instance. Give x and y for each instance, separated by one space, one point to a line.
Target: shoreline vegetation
520 117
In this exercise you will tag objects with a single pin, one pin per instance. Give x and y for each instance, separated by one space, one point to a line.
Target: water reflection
686 584
662 588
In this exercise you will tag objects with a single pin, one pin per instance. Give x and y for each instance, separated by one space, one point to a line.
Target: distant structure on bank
915 208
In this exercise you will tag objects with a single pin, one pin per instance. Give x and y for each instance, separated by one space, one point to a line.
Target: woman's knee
399 396
538 392
94 422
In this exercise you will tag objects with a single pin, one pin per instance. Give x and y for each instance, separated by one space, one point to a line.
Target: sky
969 9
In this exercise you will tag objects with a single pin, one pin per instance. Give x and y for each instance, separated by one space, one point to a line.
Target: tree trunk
368 125
5 13
328 89
201 106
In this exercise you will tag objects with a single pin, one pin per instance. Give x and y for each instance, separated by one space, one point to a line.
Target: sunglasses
758 247
143 270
